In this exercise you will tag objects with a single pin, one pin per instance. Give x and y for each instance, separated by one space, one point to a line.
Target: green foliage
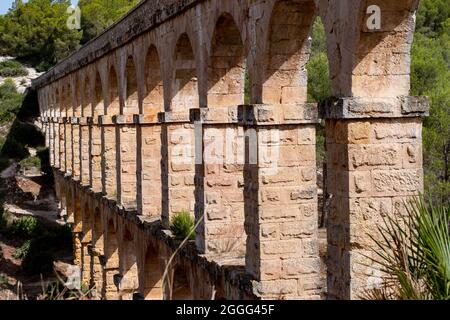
432 17
23 251
25 227
36 31
414 253
319 87
31 162
58 291
12 68
97 15
182 226
430 76
10 101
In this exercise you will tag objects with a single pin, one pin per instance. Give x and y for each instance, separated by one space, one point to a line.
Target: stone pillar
109 164
56 143
85 264
374 166
110 288
280 193
84 151
373 133
46 132
95 154
51 147
178 167
126 160
148 166
62 144
77 249
68 146
111 265
96 272
219 189
76 162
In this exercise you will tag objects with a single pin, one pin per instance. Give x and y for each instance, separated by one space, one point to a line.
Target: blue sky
6 4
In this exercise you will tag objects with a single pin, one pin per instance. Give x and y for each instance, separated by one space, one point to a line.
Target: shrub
414 254
25 227
31 162
22 252
182 226
12 68
10 101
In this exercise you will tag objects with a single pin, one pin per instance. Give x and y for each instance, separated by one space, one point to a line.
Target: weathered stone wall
148 120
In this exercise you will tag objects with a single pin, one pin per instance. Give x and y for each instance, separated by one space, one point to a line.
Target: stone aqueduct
128 116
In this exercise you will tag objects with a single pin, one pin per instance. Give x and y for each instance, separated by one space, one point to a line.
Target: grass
12 68
414 254
182 226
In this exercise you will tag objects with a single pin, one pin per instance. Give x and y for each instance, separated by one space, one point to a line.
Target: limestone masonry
150 119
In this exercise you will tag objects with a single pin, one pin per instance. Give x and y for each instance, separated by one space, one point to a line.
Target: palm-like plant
414 254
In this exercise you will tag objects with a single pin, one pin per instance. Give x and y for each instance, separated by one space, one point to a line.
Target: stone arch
370 63
153 275
154 90
181 284
63 99
287 52
78 85
383 58
132 98
71 96
98 98
184 80
97 272
111 261
128 267
86 105
227 64
56 101
86 240
113 107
